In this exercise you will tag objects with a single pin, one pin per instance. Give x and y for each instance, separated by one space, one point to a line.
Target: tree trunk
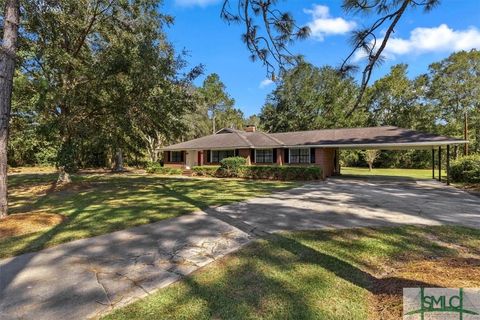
370 165
465 134
151 148
213 123
7 69
118 161
63 176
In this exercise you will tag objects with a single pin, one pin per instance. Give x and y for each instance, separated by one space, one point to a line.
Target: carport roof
386 137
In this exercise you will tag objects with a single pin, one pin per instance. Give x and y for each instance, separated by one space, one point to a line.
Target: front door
191 159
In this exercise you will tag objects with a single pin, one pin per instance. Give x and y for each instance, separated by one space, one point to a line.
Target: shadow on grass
288 277
109 203
277 277
112 203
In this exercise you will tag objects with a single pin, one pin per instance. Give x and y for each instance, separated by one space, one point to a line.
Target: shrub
154 167
282 172
206 171
230 167
466 169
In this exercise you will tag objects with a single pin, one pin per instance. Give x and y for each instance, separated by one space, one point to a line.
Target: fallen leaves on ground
25 223
448 272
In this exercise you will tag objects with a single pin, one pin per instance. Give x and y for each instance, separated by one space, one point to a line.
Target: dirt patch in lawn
40 189
24 170
25 223
33 189
387 291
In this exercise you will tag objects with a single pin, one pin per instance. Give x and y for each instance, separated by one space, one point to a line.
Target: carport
394 138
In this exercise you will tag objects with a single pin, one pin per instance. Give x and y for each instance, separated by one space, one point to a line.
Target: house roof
387 137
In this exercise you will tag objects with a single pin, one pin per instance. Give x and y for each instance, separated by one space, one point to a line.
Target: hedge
466 169
263 172
282 172
155 167
231 167
208 171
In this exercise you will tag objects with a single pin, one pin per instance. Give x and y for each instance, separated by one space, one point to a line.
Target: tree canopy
99 76
308 98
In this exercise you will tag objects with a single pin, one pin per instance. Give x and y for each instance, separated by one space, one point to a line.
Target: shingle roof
387 136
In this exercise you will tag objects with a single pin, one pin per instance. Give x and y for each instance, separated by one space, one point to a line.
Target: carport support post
440 164
433 163
448 164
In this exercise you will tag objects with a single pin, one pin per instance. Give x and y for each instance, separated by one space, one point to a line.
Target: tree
215 97
270 43
11 21
308 98
230 117
370 157
372 40
105 76
454 89
65 45
396 100
253 120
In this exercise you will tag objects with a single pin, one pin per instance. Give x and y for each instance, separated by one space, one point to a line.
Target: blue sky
419 40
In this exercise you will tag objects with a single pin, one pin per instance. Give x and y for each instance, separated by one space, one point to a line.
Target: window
218 155
176 156
263 155
300 155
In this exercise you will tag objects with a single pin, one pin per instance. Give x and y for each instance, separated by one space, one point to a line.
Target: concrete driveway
354 202
89 277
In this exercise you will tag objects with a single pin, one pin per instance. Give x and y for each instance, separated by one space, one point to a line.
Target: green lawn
338 274
387 172
96 204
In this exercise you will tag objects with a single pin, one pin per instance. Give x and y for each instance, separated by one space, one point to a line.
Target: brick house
315 147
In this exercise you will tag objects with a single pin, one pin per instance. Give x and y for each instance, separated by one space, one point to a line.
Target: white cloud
427 40
193 3
323 24
265 83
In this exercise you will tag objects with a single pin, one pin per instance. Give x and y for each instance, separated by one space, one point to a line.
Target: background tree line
440 101
445 100
97 83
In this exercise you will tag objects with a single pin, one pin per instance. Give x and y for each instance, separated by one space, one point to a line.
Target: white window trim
255 155
290 156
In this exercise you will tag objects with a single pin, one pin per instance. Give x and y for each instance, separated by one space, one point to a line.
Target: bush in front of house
205 171
260 172
282 172
466 169
155 167
231 166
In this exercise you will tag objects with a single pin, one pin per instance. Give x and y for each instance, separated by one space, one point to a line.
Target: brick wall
169 164
246 154
325 158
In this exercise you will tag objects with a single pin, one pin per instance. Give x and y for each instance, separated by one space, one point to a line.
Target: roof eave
413 145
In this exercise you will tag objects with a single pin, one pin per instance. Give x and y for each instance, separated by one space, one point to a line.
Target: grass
389 172
338 274
417 174
96 204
